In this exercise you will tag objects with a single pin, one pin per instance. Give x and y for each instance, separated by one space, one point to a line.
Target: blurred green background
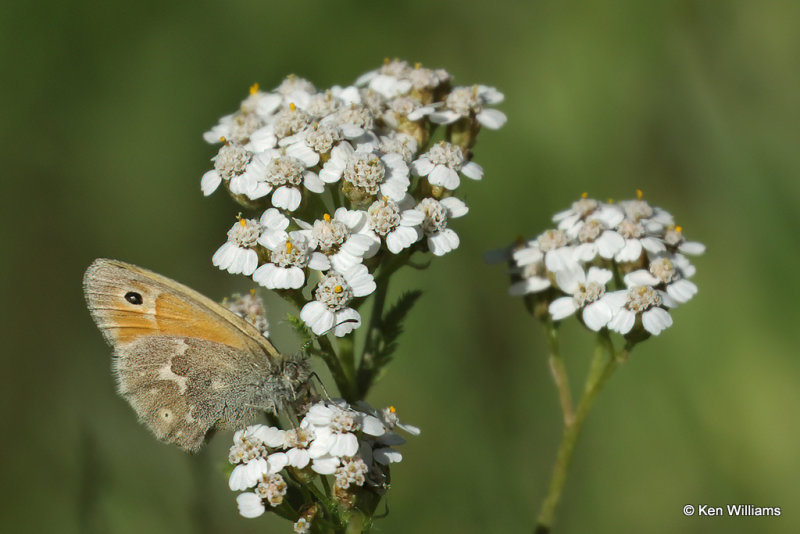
697 103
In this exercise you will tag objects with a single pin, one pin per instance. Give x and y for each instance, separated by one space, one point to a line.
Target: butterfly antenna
321 385
314 337
291 415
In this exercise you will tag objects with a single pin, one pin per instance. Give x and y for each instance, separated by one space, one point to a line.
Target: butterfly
186 364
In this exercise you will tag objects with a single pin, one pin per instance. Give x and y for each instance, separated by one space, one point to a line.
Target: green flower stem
329 355
602 368
368 366
559 372
357 523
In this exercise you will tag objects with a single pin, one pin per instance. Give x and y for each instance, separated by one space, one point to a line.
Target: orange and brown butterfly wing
183 362
128 302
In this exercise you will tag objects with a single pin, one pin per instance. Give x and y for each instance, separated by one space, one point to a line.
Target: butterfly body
184 363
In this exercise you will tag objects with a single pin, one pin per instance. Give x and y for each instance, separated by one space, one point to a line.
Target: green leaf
300 327
392 326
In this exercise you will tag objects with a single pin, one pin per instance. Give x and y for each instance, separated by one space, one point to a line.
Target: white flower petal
386 456
319 262
312 182
455 206
630 252
344 445
623 321
641 277
526 256
534 284
655 320
277 461
263 139
472 170
444 176
298 457
562 307
568 279
304 153
692 247
653 245
360 280
422 166
373 426
250 505
560 259
597 315
210 182
317 316
346 320
609 244
444 117
682 290
492 118
440 243
287 198
274 219
326 465
401 238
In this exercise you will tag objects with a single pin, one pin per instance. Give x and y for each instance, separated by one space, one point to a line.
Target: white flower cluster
346 175
632 243
352 444
250 307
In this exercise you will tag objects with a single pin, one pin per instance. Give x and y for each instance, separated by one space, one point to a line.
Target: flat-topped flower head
468 102
231 163
442 165
675 240
636 239
352 471
557 250
330 311
237 127
390 80
639 302
289 121
669 273
398 227
285 177
655 220
342 238
585 209
354 120
288 262
585 291
367 173
250 307
595 239
237 254
399 143
424 80
322 104
354 444
292 90
529 272
441 239
313 143
406 108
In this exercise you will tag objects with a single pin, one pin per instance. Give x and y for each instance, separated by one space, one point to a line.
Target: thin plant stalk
604 363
